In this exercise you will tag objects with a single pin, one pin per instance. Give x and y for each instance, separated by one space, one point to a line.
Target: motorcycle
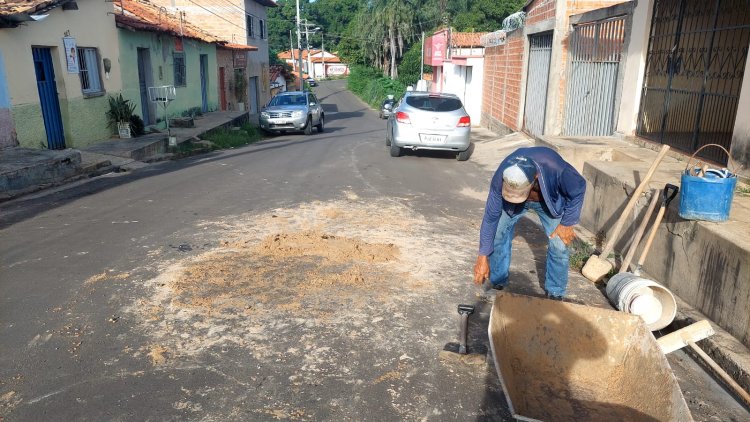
386 109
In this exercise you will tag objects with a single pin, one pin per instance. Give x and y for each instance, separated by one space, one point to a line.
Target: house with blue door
59 63
159 48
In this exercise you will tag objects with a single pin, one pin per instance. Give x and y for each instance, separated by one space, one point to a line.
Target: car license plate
432 139
281 122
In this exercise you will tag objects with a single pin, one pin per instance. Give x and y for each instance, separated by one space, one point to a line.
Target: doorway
253 104
204 82
47 87
222 90
540 55
145 80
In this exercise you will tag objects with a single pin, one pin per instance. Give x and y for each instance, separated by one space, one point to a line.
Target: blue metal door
204 82
45 83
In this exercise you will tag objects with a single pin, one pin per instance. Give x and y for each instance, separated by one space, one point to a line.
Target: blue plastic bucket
707 198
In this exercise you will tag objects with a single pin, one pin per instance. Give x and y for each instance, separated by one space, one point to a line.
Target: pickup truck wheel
320 123
308 126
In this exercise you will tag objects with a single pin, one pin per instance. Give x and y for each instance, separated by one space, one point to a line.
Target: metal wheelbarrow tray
560 361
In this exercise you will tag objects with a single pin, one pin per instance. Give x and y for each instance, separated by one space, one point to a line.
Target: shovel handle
669 193
633 199
639 233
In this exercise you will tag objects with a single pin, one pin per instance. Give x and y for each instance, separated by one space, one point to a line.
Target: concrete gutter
707 265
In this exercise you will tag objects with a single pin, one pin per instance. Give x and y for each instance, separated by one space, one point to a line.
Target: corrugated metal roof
141 15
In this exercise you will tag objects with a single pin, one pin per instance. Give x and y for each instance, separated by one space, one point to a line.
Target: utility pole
421 63
307 40
323 47
291 50
299 50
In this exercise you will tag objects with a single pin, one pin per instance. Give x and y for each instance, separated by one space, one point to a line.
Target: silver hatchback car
433 121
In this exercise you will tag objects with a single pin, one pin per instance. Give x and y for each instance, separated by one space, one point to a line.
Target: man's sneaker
554 297
489 286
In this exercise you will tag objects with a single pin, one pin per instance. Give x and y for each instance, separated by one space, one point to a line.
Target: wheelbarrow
559 361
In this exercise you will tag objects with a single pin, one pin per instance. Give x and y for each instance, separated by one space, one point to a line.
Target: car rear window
434 103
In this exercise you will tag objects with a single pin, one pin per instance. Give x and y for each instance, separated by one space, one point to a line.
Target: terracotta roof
13 12
286 55
17 7
241 47
141 15
327 60
466 39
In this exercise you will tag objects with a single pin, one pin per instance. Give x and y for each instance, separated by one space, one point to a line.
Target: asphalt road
111 309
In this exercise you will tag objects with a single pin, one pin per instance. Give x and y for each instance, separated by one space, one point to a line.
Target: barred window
250 32
179 69
262 28
88 70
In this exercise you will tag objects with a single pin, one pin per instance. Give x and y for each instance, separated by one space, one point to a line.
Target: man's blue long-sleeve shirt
561 185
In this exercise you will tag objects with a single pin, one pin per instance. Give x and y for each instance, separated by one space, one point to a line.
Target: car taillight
402 117
464 122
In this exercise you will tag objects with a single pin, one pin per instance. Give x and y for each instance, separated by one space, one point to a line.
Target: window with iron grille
179 69
262 28
250 32
88 71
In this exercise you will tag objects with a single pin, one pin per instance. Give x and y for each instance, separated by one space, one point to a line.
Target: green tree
408 69
281 20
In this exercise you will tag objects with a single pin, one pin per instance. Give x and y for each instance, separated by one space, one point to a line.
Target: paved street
303 277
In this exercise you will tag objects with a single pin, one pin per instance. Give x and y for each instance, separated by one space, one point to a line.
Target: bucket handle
729 157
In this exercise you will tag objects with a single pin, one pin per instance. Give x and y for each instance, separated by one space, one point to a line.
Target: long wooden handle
639 233
741 393
633 199
651 236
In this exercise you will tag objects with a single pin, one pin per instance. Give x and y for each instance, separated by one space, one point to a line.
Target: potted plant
119 114
240 89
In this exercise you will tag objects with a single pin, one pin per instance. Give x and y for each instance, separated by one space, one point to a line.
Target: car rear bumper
406 136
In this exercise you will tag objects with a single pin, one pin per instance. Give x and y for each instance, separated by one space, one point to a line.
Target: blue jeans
556 280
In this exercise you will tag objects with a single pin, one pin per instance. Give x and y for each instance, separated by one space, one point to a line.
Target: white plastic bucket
655 304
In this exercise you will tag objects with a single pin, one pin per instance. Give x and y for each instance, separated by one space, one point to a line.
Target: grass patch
580 251
224 138
743 190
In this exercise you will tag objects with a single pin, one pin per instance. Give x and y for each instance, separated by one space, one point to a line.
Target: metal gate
595 52
695 65
540 54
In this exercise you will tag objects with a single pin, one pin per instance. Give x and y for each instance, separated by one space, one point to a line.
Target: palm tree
387 27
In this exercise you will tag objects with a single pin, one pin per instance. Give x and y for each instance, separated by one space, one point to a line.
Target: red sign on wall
436 48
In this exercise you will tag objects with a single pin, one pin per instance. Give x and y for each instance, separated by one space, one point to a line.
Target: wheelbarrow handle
669 193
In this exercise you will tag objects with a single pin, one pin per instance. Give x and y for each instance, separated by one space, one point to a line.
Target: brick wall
540 10
503 66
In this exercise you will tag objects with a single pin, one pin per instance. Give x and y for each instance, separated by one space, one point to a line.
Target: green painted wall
30 126
83 119
161 48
